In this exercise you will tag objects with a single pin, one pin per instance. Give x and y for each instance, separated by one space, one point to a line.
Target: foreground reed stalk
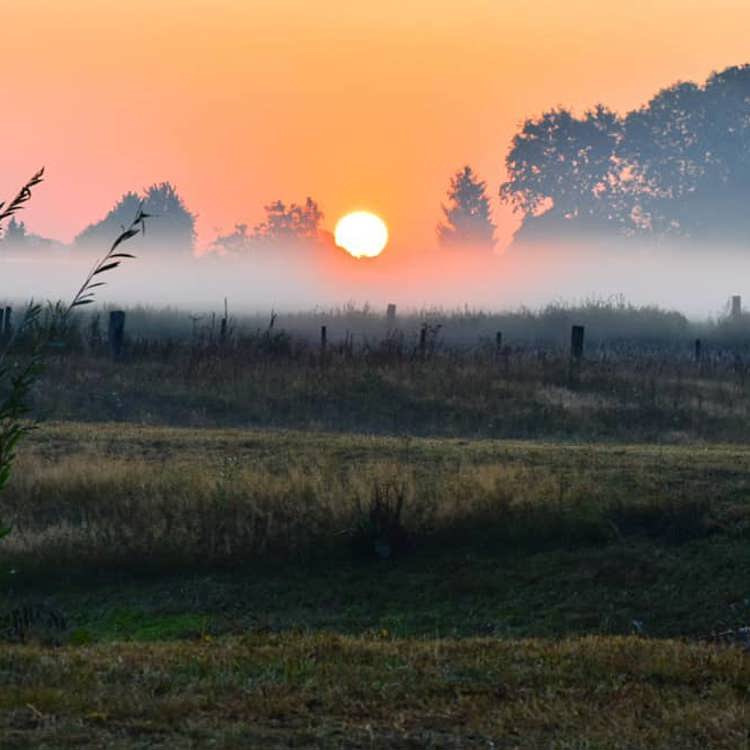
17 382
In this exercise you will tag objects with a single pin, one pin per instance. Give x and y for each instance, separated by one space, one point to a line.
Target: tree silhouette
678 166
236 241
727 106
665 149
172 226
283 226
290 223
689 152
468 219
15 233
565 166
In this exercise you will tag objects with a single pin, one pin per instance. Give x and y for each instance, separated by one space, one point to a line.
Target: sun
362 234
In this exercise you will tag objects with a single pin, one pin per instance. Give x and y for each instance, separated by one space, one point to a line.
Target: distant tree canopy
467 217
171 227
678 166
283 226
16 237
14 233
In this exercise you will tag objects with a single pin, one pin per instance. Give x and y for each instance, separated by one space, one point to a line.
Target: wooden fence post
390 314
576 342
8 323
697 350
323 343
423 341
116 333
224 323
498 343
736 307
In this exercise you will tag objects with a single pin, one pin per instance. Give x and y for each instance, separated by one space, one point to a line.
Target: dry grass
326 691
525 394
513 539
112 495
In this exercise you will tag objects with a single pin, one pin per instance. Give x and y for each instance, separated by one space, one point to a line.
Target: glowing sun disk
362 234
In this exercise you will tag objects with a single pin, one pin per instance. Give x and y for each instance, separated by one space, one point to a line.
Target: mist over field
695 280
648 205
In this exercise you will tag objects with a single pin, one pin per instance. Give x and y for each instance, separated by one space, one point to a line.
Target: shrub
380 531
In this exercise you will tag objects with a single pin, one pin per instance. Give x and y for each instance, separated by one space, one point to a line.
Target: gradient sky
359 104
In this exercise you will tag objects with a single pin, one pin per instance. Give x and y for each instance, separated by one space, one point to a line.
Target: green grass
513 619
686 591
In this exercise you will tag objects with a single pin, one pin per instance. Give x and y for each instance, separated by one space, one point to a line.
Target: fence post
116 333
576 342
8 323
498 343
224 323
423 341
323 343
390 314
697 350
736 306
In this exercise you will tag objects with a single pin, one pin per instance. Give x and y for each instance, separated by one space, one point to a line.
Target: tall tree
725 136
665 149
468 216
679 165
172 223
565 166
172 226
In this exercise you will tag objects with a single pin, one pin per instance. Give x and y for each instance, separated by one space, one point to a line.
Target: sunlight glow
362 234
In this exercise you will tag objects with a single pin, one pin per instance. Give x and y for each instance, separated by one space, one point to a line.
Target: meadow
254 541
429 374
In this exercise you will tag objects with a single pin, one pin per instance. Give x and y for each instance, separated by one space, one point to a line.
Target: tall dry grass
519 394
220 508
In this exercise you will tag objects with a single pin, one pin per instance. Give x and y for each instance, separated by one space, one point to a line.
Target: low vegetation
325 691
229 586
241 538
522 393
608 322
108 495
411 379
380 532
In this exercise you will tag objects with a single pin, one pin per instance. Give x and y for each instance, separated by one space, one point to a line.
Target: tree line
679 166
467 220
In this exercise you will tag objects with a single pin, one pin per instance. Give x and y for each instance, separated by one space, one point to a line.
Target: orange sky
359 104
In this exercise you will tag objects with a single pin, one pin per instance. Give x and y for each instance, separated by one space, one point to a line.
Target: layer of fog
695 281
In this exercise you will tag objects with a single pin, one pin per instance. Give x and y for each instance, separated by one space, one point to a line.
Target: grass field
326 691
226 588
531 393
